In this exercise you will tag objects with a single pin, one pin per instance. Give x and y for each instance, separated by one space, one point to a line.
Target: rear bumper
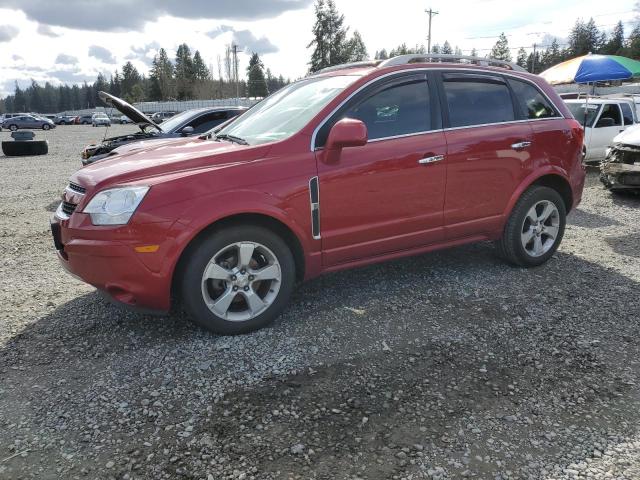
107 259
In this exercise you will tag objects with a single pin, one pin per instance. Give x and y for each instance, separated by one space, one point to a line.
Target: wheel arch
258 219
554 178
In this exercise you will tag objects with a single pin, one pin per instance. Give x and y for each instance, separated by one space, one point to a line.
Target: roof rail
365 63
430 57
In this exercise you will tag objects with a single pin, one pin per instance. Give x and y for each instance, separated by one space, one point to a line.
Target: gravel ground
448 365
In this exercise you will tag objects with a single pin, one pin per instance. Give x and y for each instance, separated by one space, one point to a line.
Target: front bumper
105 257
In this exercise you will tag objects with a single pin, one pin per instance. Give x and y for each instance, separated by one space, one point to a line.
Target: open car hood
135 115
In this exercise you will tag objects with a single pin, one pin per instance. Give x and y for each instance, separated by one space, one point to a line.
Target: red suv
351 166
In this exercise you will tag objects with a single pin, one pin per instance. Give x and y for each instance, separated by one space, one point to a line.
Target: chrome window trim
439 130
501 123
436 69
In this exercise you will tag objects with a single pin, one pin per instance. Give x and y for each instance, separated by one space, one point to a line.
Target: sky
71 41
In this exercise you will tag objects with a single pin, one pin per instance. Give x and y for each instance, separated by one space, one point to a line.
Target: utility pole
235 70
431 13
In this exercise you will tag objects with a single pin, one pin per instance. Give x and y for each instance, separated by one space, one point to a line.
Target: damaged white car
620 171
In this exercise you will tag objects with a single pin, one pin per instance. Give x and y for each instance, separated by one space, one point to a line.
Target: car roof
597 100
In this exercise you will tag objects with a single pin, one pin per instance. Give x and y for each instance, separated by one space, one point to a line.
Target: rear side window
533 104
477 100
399 109
627 115
206 122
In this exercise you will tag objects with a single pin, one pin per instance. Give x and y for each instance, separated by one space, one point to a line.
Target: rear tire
534 229
45 126
221 289
13 128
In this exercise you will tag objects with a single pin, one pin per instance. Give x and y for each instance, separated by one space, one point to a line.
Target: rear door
384 197
488 151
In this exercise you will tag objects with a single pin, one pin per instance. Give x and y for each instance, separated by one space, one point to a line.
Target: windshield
578 109
176 121
288 110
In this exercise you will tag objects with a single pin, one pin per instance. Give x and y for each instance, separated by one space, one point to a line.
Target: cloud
245 40
101 53
16 58
219 31
248 42
116 15
65 59
7 32
46 30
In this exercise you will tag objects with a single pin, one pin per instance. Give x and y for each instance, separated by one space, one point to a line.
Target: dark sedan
191 122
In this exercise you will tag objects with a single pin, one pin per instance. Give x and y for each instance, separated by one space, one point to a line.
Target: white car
100 119
604 119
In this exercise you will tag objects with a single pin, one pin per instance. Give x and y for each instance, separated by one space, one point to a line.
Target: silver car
100 119
27 121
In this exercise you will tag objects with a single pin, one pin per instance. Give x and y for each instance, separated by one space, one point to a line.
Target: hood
135 115
631 136
165 158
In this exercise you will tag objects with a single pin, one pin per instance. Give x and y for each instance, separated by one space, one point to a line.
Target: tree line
187 77
332 45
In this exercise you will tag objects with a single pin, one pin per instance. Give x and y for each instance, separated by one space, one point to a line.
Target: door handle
520 145
428 160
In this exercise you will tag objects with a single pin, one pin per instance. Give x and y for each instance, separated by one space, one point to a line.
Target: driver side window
611 110
399 109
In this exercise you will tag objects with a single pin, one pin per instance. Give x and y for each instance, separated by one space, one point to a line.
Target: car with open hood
350 166
185 124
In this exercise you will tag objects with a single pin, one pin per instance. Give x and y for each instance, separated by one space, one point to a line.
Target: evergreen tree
255 77
522 58
616 43
436 49
633 44
130 78
356 49
446 48
185 74
20 100
474 52
382 54
200 70
584 38
500 50
161 77
329 37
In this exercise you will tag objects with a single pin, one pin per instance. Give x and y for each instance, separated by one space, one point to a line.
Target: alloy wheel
540 228
241 281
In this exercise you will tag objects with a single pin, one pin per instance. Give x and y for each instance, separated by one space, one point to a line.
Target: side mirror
186 131
605 122
348 132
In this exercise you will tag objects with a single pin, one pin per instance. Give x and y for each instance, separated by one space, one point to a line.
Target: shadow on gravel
628 245
581 218
450 360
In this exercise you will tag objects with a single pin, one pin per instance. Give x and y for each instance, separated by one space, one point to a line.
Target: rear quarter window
532 103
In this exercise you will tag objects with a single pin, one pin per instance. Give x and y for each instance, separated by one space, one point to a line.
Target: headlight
115 206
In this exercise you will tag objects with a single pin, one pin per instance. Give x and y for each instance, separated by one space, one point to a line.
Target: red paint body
376 201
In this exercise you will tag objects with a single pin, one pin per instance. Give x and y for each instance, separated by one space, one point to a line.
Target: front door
603 132
387 195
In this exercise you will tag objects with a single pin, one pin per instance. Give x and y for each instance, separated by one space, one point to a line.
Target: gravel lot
448 365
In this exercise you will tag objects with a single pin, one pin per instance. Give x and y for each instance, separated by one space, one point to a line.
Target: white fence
172 106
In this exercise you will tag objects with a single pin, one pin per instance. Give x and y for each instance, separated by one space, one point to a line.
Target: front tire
534 229
45 126
13 128
238 279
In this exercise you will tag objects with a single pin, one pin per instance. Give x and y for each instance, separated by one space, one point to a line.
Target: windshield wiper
232 138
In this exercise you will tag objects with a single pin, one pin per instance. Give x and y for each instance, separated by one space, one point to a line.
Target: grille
68 208
77 188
